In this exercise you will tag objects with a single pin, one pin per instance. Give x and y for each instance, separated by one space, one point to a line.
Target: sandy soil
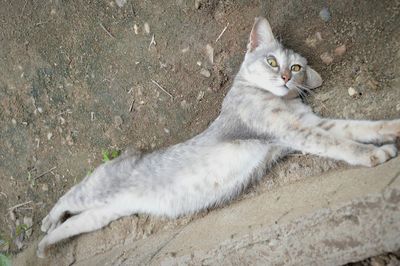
78 78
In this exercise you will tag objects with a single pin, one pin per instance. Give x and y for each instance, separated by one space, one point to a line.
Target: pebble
28 222
45 187
326 58
204 72
210 53
120 3
398 107
197 4
49 136
372 84
352 92
324 14
69 140
118 121
166 130
185 105
13 121
200 96
136 29
312 41
377 261
146 28
340 50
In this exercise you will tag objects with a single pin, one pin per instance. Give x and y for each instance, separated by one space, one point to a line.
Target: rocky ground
80 78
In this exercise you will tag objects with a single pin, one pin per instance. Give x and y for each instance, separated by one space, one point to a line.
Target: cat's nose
286 77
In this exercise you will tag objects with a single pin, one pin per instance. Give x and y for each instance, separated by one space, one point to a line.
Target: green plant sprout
109 155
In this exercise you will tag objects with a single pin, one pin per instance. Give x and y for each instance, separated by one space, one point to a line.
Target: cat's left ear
261 34
313 79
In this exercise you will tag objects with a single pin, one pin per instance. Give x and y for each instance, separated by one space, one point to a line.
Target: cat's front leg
363 131
323 143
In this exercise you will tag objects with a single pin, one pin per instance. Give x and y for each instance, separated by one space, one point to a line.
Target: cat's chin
280 91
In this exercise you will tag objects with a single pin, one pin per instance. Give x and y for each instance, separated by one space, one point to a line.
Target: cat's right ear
261 34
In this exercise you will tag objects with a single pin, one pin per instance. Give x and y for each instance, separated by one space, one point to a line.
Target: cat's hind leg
83 222
73 202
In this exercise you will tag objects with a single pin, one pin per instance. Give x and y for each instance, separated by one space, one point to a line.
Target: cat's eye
272 62
295 68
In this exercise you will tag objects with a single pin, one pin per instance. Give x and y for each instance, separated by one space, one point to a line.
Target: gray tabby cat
261 120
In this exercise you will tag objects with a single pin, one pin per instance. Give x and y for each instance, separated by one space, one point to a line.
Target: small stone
398 107
136 29
200 96
318 36
326 58
166 130
28 222
311 41
377 261
184 105
210 53
340 50
13 121
372 84
40 109
146 28
45 187
204 72
198 63
69 140
324 14
118 121
352 92
49 136
120 3
197 4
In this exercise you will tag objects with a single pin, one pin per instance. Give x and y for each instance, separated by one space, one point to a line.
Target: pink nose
285 77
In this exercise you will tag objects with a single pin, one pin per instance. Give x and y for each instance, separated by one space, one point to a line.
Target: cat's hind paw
42 248
48 224
382 154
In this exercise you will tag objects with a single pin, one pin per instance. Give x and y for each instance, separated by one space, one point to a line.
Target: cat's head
270 66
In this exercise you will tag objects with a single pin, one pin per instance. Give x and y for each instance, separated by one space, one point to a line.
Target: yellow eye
295 68
272 62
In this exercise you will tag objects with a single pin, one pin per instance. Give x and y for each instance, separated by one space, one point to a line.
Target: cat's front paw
382 154
390 130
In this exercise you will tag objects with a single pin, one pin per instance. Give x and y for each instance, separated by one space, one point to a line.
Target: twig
153 41
19 205
48 171
133 10
4 194
161 88
41 23
23 9
131 107
66 111
222 32
107 31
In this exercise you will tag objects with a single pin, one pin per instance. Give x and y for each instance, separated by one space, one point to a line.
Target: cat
262 119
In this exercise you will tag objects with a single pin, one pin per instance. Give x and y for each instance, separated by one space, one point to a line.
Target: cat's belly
208 176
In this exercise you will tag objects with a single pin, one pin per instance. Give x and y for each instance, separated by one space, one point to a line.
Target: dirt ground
81 77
